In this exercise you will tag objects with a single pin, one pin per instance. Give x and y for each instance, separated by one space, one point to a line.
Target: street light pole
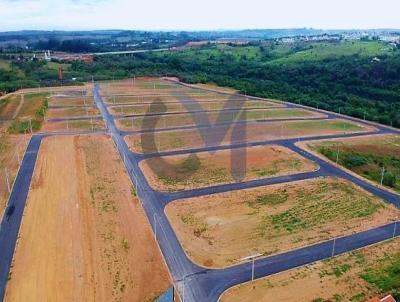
252 269
333 248
383 175
8 181
155 225
337 155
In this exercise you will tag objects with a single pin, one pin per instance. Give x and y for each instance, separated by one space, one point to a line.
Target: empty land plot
21 106
203 99
74 101
356 276
71 112
84 125
12 148
169 121
84 236
197 138
218 230
168 98
26 111
140 86
178 107
174 173
214 87
366 156
9 106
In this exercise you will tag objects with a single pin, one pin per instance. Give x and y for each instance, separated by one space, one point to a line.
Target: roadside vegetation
375 159
31 114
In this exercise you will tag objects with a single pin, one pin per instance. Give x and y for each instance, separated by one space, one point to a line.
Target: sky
197 15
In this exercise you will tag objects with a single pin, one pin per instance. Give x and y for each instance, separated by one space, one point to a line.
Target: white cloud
205 14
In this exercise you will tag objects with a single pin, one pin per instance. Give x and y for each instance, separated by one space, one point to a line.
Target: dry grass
175 140
174 173
218 230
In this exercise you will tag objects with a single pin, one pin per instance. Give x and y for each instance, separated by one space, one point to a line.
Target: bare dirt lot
168 121
84 236
174 173
84 125
71 101
357 276
219 230
71 112
140 86
178 107
175 140
215 88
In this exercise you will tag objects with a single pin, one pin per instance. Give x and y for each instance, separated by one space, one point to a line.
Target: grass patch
367 160
21 125
386 278
315 206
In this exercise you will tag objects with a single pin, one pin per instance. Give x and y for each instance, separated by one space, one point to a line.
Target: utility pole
26 139
365 114
8 181
252 269
30 125
337 155
155 225
333 247
383 175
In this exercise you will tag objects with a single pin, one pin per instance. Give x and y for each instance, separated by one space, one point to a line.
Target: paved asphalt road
13 214
197 283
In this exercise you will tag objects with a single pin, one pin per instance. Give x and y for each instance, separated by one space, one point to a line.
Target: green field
377 159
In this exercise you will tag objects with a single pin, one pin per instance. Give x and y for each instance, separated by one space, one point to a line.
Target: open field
71 101
205 97
178 107
367 156
140 86
21 106
215 88
84 236
174 173
71 112
174 140
167 121
11 150
23 111
357 276
219 230
85 125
